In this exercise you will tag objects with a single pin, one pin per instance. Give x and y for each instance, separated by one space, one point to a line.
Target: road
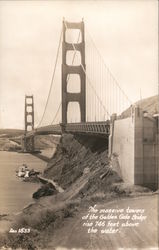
73 235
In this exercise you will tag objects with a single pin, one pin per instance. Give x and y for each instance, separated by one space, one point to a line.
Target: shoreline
8 216
8 219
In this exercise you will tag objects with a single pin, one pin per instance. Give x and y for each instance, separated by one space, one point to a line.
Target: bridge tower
28 143
70 69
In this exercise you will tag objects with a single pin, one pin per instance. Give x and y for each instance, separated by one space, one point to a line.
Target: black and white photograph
79 125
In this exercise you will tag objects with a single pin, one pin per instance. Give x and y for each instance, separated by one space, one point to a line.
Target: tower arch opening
73 112
73 58
29 118
73 83
73 36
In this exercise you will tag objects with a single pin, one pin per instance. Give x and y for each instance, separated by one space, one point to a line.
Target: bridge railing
90 128
50 129
98 128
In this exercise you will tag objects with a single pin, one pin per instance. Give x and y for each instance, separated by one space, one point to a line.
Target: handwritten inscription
112 220
20 230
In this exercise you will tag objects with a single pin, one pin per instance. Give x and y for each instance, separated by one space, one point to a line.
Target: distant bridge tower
28 143
70 69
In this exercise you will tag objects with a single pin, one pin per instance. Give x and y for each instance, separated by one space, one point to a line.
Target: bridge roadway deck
88 128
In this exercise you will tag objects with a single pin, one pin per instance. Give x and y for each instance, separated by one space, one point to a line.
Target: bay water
15 194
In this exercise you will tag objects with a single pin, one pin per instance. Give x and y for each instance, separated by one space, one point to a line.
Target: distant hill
150 104
10 140
11 132
46 141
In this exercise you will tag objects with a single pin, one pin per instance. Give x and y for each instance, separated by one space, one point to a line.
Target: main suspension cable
52 80
56 113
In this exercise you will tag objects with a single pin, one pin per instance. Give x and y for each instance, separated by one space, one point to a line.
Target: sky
124 31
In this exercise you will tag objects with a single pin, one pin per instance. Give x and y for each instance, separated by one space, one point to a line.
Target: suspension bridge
83 91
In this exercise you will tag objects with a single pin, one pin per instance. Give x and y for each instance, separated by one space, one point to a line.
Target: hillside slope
73 155
150 104
11 132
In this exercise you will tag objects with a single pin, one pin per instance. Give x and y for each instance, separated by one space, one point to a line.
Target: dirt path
145 236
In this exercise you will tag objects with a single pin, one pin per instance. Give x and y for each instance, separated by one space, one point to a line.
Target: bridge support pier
112 120
63 127
28 142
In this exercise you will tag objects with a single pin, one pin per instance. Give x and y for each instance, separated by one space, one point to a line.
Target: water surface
15 194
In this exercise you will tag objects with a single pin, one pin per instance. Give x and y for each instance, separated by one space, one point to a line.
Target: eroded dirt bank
78 156
82 168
